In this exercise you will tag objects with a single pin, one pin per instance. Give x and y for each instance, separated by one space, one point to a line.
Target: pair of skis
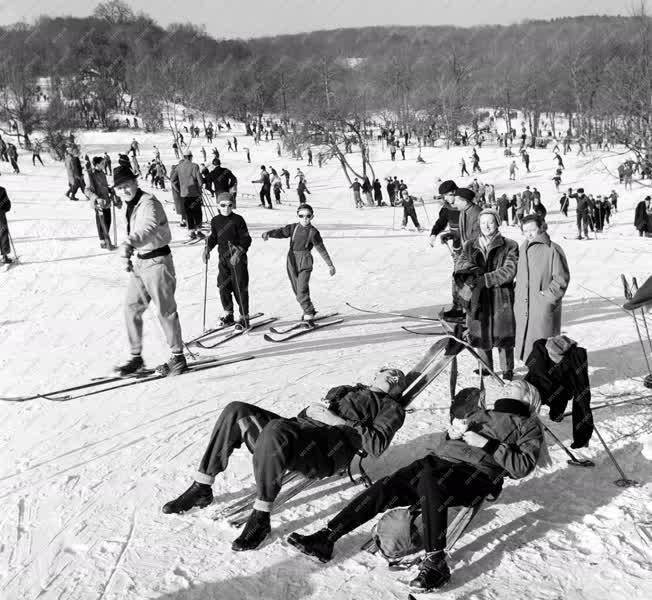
233 331
301 328
144 376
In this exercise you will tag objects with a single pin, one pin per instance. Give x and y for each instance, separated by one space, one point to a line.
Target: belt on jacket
162 251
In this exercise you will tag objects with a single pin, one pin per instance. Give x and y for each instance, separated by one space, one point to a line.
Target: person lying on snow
480 449
320 441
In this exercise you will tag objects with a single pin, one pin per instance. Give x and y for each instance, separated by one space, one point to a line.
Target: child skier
303 237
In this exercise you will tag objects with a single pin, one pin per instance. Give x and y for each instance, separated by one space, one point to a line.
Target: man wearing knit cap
148 260
481 448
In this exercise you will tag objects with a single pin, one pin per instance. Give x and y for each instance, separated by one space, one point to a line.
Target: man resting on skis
320 441
481 448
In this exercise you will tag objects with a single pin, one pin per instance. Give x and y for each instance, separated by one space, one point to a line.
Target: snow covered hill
82 482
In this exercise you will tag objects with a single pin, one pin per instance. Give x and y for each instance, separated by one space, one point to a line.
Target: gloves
265 236
457 428
126 250
331 270
236 253
206 254
474 439
444 238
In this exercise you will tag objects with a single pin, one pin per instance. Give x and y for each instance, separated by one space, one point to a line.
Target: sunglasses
225 204
305 216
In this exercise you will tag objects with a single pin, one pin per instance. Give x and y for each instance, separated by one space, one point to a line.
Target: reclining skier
319 442
471 462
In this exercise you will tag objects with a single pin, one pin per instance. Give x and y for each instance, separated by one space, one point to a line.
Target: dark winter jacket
542 278
225 230
583 205
186 180
374 416
560 382
98 190
76 167
449 216
5 203
491 323
222 179
640 216
515 440
302 241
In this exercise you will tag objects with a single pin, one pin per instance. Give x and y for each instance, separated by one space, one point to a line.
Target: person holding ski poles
303 237
230 234
101 197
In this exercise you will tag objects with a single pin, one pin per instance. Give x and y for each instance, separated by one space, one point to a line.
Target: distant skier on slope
321 440
303 237
481 448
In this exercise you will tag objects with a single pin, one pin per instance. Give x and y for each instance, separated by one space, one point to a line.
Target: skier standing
186 181
464 170
408 210
223 182
5 243
12 153
230 234
148 260
265 187
302 190
101 197
355 186
378 192
303 237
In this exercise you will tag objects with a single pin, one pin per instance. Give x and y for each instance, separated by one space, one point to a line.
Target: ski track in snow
83 481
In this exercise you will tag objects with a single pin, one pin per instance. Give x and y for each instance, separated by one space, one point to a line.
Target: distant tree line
596 70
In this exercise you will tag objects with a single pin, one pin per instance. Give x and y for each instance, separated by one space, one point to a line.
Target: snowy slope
82 482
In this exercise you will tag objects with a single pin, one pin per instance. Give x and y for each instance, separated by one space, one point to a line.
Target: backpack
398 534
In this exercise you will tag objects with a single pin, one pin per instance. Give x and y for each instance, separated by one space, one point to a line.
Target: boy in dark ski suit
320 441
409 210
230 234
303 237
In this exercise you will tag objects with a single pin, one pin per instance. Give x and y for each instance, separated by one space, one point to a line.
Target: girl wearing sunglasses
303 237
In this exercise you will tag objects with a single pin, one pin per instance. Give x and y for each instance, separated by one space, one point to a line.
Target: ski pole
394 219
573 460
425 210
11 240
115 226
205 281
623 481
237 284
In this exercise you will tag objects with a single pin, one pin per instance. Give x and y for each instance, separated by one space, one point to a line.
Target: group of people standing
508 296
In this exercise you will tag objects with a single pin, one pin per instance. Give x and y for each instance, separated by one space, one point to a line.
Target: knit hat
465 193
448 186
524 392
558 346
466 401
122 174
493 212
642 296
580 190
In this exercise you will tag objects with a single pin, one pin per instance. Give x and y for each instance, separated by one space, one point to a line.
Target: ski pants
192 207
278 445
357 199
14 164
36 157
265 195
299 268
582 220
412 213
152 279
505 358
77 184
233 281
103 216
5 245
432 482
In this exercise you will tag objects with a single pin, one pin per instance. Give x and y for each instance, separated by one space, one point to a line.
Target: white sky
255 18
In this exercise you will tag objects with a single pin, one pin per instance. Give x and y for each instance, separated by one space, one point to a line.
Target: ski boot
175 366
242 323
133 365
319 544
308 321
227 319
255 531
433 573
198 494
454 315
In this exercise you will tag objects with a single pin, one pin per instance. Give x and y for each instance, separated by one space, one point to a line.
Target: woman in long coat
486 270
541 282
